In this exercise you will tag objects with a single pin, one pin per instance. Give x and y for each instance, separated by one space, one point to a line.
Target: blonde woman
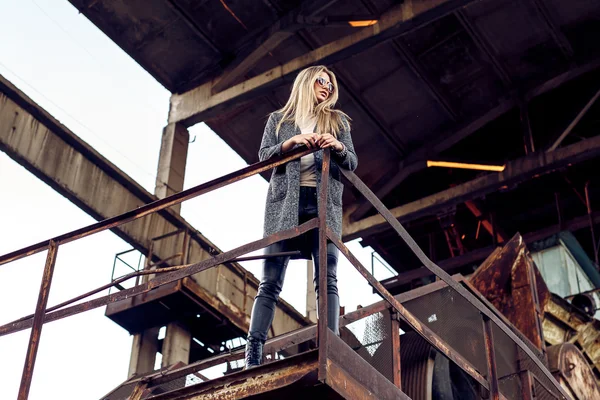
308 119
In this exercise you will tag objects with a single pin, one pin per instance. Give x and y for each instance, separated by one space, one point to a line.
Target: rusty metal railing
169 274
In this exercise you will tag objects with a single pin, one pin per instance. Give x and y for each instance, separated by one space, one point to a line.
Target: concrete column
311 295
176 345
143 352
171 162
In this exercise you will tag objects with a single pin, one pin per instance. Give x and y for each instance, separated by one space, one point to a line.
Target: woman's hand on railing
307 139
328 140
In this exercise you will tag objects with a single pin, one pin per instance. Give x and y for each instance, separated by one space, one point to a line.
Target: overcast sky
70 68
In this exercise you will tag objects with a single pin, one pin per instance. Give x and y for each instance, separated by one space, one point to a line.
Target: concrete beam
37 141
200 104
516 172
176 345
171 162
143 352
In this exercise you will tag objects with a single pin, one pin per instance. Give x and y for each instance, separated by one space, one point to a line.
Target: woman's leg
333 299
263 309
309 209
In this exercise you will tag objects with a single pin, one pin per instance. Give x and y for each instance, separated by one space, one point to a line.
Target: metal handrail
40 316
171 274
159 205
487 314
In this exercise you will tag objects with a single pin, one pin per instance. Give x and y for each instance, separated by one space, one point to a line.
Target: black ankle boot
254 350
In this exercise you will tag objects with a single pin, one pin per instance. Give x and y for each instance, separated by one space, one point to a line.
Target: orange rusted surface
510 280
250 383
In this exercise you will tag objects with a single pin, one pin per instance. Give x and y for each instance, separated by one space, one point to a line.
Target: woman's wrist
287 145
342 152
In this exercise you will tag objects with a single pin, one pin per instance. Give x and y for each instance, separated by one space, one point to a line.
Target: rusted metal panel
38 321
506 281
510 280
570 364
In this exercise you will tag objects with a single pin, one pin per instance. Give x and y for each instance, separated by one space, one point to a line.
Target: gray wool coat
281 211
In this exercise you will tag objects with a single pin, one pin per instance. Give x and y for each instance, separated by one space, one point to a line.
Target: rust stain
261 382
505 279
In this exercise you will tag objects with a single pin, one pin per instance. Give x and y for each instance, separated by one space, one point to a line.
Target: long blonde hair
303 103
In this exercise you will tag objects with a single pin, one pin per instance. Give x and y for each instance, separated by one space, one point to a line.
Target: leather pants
274 269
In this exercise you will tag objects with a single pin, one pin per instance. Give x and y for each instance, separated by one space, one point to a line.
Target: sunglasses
325 84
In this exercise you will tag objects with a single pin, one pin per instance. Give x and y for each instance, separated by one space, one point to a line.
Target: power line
79 44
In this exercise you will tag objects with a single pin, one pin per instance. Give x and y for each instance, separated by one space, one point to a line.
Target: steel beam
485 48
516 171
416 160
267 41
575 121
192 25
559 38
434 90
526 127
486 221
199 104
563 78
452 264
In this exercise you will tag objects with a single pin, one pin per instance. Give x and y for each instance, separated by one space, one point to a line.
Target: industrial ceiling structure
510 84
